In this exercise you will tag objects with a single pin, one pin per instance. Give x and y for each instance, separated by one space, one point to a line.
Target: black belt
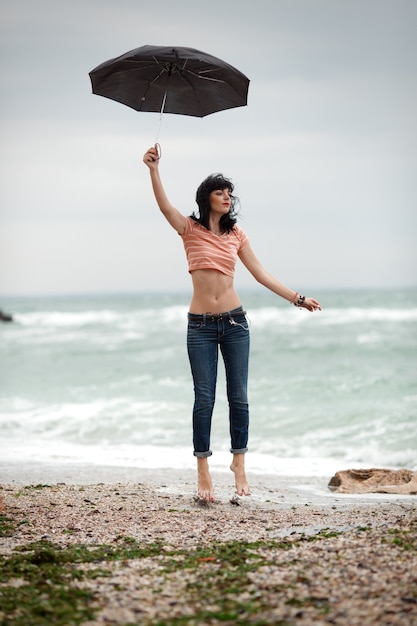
214 317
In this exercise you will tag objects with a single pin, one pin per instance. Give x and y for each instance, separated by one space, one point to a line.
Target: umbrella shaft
160 115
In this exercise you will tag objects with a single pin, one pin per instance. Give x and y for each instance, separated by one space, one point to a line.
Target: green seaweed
7 527
403 538
39 580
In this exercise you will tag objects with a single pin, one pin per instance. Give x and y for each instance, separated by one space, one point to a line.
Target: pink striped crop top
205 250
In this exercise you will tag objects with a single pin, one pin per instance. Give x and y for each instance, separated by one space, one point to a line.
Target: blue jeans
205 334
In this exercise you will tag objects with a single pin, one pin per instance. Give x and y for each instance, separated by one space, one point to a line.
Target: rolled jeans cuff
203 455
240 451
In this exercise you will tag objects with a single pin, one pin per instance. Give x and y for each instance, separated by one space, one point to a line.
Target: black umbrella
171 80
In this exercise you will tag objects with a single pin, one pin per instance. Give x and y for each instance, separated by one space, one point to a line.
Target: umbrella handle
158 149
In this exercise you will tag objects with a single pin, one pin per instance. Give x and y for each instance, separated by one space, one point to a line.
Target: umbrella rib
209 78
156 77
186 79
143 98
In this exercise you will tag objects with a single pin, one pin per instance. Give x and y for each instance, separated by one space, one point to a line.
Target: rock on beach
374 480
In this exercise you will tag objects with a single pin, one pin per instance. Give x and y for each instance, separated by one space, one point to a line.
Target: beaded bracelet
300 301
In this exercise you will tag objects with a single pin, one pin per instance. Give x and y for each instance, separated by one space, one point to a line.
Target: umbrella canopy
171 80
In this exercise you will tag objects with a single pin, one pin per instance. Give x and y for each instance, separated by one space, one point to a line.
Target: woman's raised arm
174 217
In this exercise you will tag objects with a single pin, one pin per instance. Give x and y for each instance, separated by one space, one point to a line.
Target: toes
203 498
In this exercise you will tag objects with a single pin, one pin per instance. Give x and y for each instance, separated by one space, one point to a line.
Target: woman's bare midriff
214 292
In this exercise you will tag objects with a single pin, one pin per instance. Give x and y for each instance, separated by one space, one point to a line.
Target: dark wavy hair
202 197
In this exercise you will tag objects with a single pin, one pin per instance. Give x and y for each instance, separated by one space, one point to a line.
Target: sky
323 157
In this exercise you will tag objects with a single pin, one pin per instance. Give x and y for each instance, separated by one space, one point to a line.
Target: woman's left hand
311 305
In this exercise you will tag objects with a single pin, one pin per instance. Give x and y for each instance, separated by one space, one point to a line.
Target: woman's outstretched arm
252 263
174 217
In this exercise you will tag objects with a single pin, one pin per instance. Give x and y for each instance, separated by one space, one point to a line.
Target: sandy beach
319 557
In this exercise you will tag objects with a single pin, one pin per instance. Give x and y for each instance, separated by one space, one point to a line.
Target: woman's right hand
151 157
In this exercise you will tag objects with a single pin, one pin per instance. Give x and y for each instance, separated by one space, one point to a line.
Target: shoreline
279 489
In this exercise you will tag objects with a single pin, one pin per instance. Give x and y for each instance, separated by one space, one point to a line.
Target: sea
105 380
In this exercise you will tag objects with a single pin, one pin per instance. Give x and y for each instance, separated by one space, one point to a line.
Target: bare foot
238 467
205 486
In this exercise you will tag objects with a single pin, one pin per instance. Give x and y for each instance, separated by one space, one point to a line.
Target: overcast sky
323 157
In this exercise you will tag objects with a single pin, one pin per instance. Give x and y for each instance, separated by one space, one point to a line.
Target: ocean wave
333 316
166 315
150 456
81 378
65 319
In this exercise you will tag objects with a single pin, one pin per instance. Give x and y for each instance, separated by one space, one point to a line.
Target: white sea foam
59 319
165 456
330 316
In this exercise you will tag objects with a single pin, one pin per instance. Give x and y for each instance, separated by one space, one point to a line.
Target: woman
212 242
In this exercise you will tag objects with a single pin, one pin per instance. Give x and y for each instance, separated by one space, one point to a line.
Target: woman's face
220 201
